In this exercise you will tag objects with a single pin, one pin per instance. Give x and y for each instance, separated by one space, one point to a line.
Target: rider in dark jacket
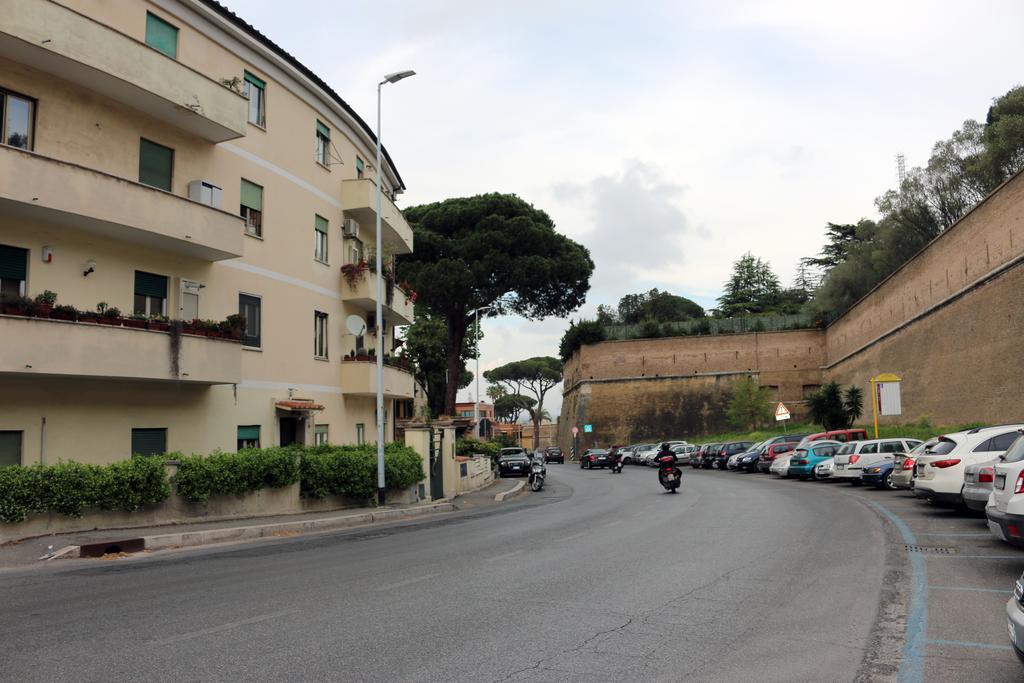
666 449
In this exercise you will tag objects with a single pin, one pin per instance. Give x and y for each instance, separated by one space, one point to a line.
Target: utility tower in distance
901 167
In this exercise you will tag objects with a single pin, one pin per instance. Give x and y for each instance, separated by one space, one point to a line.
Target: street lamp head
398 75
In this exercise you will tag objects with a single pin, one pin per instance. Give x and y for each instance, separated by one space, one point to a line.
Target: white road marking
407 582
223 627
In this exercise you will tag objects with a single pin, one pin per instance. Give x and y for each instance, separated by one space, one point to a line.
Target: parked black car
748 461
554 455
709 455
513 461
730 449
594 457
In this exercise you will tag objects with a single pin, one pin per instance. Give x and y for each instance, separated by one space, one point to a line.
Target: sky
668 137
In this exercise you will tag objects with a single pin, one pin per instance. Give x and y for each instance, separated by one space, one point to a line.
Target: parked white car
826 468
780 466
1005 510
940 469
644 452
978 480
854 456
903 473
683 452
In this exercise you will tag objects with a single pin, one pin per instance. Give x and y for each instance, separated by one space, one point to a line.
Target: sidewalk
149 539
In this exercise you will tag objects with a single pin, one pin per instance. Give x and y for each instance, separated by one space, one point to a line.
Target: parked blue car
879 475
805 459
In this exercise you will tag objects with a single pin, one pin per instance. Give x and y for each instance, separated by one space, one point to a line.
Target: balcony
359 378
62 42
359 199
363 294
42 188
39 347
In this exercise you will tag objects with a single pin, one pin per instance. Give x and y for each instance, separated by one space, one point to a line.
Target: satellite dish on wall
355 325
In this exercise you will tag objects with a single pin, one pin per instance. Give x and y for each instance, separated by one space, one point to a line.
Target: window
355 251
251 308
320 435
156 164
252 208
149 441
248 436
13 271
161 35
320 239
10 448
892 447
150 294
810 390
255 89
16 117
323 143
359 167
1000 443
360 434
869 448
320 335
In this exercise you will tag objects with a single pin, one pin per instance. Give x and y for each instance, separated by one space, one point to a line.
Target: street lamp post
390 78
476 373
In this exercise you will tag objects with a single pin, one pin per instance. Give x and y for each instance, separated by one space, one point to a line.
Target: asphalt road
599 577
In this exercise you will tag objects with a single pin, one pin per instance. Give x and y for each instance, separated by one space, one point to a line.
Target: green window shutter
252 195
13 262
259 83
148 284
149 441
320 225
248 432
10 448
359 165
251 308
161 35
323 130
155 164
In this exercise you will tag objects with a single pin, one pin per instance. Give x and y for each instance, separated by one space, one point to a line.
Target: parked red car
764 463
842 435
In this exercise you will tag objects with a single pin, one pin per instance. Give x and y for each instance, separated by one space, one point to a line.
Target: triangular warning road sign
781 412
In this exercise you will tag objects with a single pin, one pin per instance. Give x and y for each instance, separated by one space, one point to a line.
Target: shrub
352 470
71 487
248 470
471 446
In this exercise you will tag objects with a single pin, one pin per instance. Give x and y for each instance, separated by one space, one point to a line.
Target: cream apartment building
167 159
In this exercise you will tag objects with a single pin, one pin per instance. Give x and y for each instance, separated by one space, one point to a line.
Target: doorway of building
290 430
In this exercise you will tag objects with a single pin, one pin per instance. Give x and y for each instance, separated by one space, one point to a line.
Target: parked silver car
825 469
978 480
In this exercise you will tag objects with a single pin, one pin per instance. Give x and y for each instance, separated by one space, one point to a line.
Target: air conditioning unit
350 228
204 192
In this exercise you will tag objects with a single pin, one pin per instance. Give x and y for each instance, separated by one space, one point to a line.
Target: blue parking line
968 588
912 661
961 643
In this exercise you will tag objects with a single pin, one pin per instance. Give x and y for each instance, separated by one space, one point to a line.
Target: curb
505 494
209 536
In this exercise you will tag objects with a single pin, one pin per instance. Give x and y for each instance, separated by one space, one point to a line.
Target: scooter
537 472
669 475
617 467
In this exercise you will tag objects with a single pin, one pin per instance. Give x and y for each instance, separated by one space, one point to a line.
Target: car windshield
846 449
1016 451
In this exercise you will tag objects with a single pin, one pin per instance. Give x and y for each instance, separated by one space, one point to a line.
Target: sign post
781 415
885 396
575 441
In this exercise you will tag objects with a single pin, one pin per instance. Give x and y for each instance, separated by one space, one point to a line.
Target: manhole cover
930 549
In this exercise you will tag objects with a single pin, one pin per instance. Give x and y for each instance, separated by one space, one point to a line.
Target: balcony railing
40 347
361 291
80 198
52 38
359 201
359 378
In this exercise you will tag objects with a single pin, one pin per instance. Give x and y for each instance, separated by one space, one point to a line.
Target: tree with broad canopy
492 250
534 375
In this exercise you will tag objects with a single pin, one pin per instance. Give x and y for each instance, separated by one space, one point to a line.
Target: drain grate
930 549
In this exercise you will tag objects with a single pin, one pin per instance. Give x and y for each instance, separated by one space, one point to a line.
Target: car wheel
590 465
887 482
814 475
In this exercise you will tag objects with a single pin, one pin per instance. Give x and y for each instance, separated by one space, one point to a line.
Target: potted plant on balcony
44 302
160 323
64 312
137 321
193 326
109 315
16 305
354 272
211 328
233 326
91 316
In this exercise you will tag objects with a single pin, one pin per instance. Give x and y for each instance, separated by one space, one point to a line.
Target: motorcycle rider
665 466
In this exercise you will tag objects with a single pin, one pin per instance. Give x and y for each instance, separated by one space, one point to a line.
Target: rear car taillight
1019 488
986 475
943 464
908 464
854 458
